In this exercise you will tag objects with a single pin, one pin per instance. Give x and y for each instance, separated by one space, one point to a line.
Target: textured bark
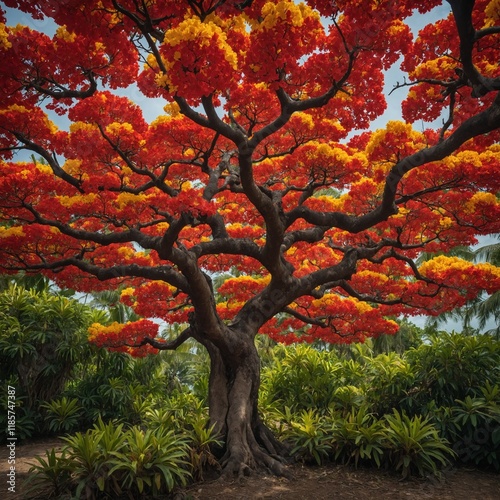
233 396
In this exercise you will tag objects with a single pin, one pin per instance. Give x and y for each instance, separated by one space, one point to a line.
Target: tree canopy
256 201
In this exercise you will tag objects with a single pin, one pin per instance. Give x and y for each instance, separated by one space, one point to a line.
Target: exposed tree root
259 451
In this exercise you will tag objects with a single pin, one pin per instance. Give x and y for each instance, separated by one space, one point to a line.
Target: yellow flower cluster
489 268
395 127
162 80
161 227
397 27
443 263
7 232
373 276
332 154
235 23
482 198
446 222
69 201
85 127
274 12
73 166
44 169
172 109
127 292
463 157
332 204
194 30
161 120
4 38
15 107
492 12
306 120
96 329
332 299
124 199
117 128
63 34
260 280
434 67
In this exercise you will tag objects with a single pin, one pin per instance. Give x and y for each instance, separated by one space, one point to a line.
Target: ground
307 483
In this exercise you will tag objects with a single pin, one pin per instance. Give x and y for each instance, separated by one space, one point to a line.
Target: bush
388 378
474 429
359 436
50 476
301 378
42 338
107 460
309 438
452 366
150 463
202 441
415 445
62 415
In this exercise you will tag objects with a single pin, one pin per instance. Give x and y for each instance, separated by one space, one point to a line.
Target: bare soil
307 483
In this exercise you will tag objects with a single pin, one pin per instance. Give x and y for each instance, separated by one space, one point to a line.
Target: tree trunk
233 400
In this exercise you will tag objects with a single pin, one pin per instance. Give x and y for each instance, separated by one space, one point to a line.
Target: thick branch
163 345
228 246
101 238
306 319
482 123
462 12
51 160
218 125
61 92
161 273
270 211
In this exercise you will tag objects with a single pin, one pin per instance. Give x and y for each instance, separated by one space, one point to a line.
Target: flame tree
252 171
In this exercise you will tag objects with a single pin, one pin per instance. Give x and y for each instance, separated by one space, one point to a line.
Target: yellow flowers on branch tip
204 34
274 12
8 232
4 38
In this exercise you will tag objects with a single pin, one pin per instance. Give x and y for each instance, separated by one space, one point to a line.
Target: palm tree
109 301
488 308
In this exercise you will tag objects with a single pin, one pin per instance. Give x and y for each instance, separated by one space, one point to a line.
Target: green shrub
358 436
475 431
388 378
184 407
301 378
308 436
158 418
278 419
452 366
151 462
415 445
49 477
42 338
62 415
202 441
107 461
347 397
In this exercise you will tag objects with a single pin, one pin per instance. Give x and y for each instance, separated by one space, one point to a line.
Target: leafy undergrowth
344 482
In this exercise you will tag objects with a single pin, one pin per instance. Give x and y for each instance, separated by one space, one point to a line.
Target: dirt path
308 483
